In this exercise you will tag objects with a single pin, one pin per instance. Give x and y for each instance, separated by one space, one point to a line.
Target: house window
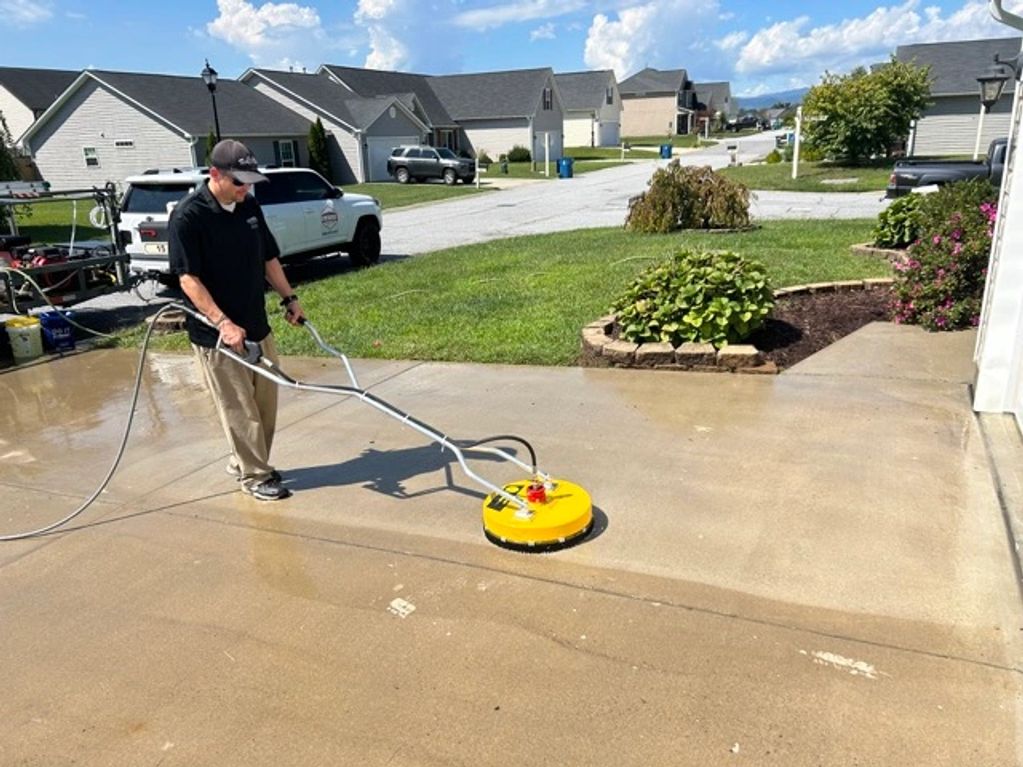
91 160
124 143
287 155
609 96
548 99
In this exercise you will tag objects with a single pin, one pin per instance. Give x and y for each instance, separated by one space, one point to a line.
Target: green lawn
525 299
578 153
394 195
810 177
51 221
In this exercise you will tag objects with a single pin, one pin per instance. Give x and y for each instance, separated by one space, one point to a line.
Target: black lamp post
991 84
209 76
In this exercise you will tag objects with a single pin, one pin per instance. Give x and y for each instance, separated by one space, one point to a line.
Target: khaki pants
247 405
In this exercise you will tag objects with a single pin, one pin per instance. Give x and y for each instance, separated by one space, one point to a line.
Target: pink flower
936 239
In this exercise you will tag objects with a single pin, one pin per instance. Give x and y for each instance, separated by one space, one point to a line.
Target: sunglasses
235 181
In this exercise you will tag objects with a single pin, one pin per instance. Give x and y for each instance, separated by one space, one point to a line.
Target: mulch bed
803 324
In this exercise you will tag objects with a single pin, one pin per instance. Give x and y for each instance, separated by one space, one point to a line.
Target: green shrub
483 158
519 154
940 283
773 157
715 297
898 225
683 197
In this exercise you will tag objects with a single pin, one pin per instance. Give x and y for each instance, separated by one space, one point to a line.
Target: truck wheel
449 177
401 174
365 247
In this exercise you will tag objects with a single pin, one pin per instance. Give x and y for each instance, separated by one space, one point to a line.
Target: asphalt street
596 199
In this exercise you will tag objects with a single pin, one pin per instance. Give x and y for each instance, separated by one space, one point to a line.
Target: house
715 103
593 108
26 93
361 130
657 103
109 125
443 130
949 124
496 111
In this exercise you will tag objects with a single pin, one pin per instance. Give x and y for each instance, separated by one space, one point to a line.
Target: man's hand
232 335
293 313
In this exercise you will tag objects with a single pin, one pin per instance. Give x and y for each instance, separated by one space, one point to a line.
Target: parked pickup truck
306 214
912 174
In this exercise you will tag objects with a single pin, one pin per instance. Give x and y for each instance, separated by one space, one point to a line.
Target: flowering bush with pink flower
939 283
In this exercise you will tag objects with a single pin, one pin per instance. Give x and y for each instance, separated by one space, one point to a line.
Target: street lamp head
209 76
992 82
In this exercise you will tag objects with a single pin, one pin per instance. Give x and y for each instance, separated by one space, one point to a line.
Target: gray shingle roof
185 102
714 95
514 93
377 82
584 90
36 88
956 66
649 81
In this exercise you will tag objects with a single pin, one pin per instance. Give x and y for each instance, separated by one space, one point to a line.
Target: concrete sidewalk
807 569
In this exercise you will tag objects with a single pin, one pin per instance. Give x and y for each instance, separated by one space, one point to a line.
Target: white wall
17 116
580 129
496 137
95 117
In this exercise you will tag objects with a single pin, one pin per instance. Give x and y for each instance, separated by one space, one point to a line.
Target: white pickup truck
307 215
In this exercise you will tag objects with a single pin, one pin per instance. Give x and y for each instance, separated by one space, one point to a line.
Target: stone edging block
598 341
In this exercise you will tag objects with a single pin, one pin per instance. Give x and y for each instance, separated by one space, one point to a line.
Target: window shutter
294 153
277 152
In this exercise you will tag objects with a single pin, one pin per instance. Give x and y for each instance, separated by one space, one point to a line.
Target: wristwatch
289 300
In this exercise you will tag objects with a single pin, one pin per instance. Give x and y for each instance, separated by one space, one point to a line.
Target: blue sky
760 47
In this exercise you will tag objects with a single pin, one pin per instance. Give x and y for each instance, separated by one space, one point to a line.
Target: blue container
565 167
665 151
58 334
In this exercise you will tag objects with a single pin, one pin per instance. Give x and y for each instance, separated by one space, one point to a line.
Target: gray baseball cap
235 158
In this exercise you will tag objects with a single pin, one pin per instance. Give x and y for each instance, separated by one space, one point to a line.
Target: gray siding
551 121
342 146
17 116
949 126
94 117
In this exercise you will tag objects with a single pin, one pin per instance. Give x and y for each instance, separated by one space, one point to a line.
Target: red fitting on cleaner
536 493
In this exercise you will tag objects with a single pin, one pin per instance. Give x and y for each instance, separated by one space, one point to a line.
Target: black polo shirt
227 251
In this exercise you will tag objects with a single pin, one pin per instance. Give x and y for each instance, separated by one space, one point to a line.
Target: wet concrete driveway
808 569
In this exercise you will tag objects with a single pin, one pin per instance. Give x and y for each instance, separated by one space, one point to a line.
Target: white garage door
379 150
610 134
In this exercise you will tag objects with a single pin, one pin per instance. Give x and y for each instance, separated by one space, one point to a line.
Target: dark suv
743 122
411 163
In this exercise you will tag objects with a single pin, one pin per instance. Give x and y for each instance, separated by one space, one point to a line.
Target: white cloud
23 13
648 34
543 32
271 34
525 10
410 35
789 46
732 41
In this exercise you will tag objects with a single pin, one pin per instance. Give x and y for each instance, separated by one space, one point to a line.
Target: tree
319 157
211 141
862 114
8 168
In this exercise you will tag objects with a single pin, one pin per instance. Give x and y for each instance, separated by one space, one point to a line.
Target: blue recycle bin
665 151
58 335
565 167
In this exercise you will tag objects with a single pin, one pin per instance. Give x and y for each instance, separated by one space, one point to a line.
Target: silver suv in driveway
307 215
412 163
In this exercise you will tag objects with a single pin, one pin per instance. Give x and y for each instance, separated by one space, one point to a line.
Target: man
223 253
